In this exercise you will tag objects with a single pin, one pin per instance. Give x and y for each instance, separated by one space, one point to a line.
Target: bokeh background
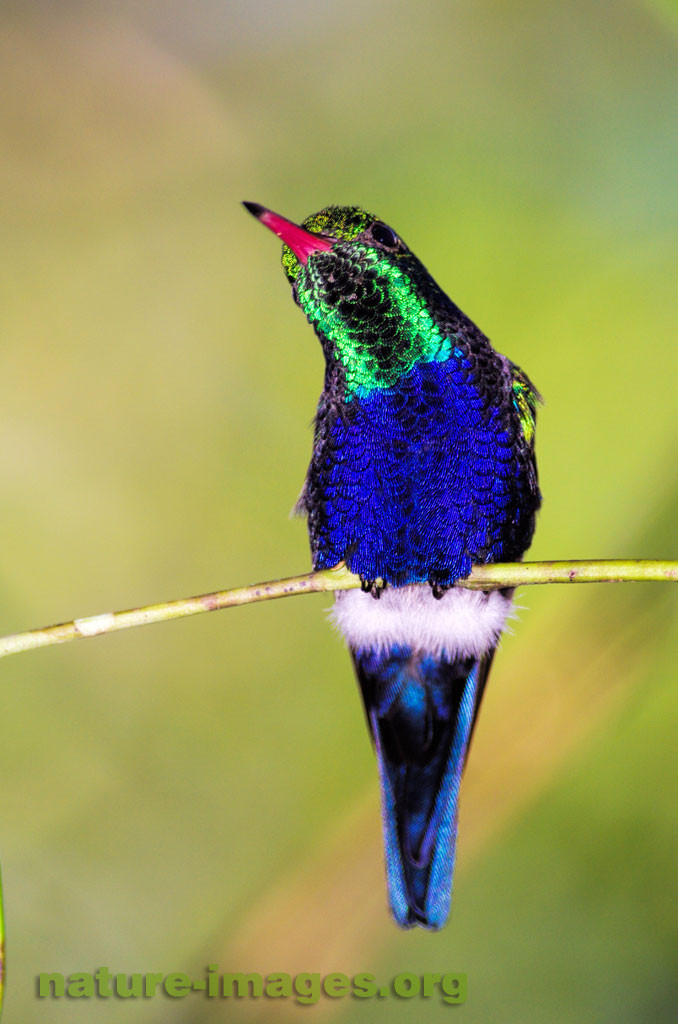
204 791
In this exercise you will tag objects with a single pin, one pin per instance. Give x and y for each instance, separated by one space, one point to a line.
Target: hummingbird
423 465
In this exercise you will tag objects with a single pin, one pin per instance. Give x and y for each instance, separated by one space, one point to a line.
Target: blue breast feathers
418 483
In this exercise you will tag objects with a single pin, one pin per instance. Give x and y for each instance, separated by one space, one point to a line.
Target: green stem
483 577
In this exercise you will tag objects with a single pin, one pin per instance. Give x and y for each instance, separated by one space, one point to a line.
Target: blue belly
416 484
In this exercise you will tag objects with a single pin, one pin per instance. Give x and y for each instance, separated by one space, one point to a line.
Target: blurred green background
204 791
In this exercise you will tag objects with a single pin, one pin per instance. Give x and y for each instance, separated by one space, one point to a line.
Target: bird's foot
373 587
438 589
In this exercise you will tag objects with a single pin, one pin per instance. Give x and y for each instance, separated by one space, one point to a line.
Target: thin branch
483 577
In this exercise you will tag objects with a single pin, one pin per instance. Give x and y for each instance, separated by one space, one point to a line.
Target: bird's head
371 302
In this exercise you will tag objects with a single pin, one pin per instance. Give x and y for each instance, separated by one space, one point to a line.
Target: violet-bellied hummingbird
423 465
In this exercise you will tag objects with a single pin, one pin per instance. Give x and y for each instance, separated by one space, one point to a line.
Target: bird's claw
373 587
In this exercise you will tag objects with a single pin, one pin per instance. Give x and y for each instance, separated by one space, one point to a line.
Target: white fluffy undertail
463 623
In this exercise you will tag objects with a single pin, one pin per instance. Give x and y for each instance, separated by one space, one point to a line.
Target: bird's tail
421 711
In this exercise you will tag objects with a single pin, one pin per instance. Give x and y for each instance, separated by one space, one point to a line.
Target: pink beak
301 242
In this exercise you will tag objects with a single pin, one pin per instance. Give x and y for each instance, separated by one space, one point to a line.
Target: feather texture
420 710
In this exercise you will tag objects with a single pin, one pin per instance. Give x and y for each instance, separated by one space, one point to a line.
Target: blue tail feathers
421 711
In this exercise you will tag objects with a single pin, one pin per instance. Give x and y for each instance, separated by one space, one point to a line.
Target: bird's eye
383 235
